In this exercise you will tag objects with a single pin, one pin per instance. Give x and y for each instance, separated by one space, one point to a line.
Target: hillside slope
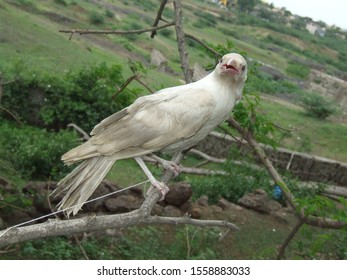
30 39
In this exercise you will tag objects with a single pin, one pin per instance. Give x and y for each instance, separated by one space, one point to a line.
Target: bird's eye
243 68
220 61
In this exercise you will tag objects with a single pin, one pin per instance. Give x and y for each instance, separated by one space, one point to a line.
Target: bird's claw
172 166
161 187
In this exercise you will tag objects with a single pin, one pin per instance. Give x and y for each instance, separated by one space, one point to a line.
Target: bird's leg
154 182
169 165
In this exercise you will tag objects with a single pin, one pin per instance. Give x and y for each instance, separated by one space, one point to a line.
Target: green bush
33 152
96 18
166 32
61 2
240 180
318 106
84 98
109 13
298 70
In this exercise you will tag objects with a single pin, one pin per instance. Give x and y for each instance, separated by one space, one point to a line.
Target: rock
259 200
106 187
157 210
157 58
186 206
202 201
198 72
196 211
122 203
227 205
216 208
179 193
172 211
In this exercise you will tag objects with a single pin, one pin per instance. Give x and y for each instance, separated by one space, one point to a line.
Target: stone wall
307 167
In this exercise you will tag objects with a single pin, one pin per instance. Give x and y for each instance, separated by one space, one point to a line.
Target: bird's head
233 65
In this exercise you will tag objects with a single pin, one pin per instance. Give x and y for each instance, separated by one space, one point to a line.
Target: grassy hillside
61 73
30 39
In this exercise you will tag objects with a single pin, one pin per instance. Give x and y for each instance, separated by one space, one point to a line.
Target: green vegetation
298 70
82 98
35 153
318 106
58 81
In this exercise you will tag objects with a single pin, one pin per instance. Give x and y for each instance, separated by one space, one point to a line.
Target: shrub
298 70
96 18
318 106
33 152
240 180
166 32
109 13
84 98
61 2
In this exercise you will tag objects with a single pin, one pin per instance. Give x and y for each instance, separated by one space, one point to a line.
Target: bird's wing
153 122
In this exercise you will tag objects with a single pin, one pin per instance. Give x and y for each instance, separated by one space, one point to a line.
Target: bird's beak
231 66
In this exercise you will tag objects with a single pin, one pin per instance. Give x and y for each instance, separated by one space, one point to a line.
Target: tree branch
192 37
85 135
207 157
124 85
290 236
58 227
113 31
158 18
188 73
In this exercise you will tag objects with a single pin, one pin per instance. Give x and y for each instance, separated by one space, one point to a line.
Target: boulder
198 72
171 211
179 193
259 200
227 205
202 201
122 203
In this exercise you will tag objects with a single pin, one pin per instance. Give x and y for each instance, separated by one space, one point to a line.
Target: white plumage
171 120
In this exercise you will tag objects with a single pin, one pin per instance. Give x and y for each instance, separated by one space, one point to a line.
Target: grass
32 39
320 137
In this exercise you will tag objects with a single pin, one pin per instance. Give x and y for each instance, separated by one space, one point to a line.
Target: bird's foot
170 165
163 189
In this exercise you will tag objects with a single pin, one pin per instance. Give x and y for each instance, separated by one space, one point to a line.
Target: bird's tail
82 182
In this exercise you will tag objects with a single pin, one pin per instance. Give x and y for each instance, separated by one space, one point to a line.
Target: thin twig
124 85
85 135
144 84
192 37
159 17
113 31
290 236
11 114
207 157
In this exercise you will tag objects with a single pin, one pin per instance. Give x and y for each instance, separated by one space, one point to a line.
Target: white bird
171 120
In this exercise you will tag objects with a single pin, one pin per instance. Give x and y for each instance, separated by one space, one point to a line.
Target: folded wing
150 124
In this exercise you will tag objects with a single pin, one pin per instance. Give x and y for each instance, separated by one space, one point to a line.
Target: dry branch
207 157
192 37
158 18
57 227
114 31
188 73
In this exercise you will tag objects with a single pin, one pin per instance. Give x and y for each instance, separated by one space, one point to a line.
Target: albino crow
171 120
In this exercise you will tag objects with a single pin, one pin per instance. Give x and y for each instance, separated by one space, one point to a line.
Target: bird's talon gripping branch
163 189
